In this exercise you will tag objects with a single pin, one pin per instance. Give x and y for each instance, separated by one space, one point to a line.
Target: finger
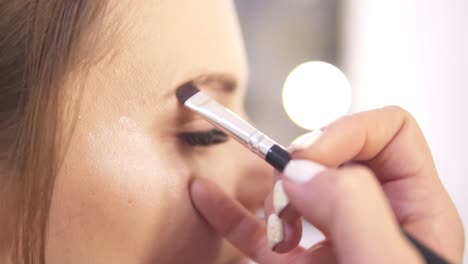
349 207
292 227
323 251
391 143
279 204
380 137
238 226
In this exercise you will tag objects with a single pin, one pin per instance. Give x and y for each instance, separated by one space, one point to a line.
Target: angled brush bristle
186 91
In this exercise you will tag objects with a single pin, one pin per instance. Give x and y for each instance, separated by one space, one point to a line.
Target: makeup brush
273 153
215 113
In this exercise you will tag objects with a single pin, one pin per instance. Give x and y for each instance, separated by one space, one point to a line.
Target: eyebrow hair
222 81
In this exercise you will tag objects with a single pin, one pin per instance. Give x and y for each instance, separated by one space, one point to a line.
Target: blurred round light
315 94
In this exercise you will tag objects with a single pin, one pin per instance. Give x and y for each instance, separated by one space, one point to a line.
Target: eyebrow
223 82
218 81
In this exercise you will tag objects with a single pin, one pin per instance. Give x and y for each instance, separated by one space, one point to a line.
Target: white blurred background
407 53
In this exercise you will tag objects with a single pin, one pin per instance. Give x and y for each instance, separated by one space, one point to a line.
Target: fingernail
301 171
275 232
280 199
305 141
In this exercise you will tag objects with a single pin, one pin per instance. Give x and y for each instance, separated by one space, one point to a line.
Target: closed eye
204 138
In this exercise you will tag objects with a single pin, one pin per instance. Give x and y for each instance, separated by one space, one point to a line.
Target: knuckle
347 119
353 180
400 111
352 185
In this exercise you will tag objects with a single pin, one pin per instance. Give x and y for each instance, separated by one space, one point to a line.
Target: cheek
122 196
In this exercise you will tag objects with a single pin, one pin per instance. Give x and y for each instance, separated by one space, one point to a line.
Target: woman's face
122 193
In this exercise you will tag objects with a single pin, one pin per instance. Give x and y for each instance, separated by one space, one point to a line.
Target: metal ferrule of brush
222 117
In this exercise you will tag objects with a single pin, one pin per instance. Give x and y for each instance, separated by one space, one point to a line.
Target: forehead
167 43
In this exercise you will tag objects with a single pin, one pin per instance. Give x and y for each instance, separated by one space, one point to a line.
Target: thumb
349 207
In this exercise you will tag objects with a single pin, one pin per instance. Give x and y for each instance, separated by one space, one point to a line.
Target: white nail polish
305 140
275 232
280 199
301 171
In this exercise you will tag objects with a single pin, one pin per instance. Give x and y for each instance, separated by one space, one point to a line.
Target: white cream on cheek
133 161
124 188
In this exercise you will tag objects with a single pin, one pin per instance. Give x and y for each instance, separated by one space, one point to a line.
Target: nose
255 181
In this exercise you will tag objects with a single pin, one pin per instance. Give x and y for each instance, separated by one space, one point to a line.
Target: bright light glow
315 94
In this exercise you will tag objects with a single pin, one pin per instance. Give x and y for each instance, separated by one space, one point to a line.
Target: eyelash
204 138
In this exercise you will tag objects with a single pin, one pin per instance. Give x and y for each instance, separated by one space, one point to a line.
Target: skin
389 181
122 193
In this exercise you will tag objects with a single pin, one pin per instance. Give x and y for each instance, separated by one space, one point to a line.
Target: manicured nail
275 232
305 141
301 171
280 199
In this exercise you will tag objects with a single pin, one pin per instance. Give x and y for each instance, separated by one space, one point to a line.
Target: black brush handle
429 256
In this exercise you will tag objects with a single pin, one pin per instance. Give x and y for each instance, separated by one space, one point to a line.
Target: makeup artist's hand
389 181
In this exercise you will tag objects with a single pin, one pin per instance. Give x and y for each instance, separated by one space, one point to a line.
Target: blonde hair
38 51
